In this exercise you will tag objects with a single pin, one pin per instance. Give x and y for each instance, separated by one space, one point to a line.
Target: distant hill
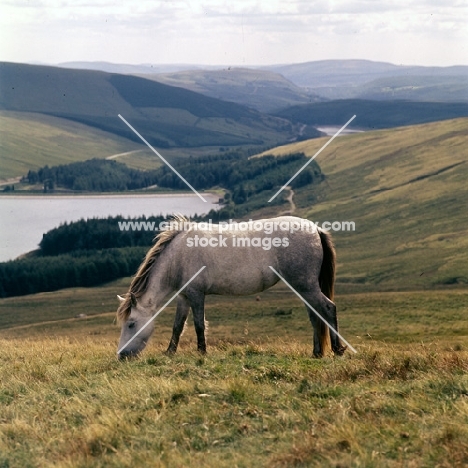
340 79
373 114
405 189
316 80
129 69
334 72
449 88
260 89
167 116
324 73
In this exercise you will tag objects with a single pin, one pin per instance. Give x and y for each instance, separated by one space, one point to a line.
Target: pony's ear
133 299
120 298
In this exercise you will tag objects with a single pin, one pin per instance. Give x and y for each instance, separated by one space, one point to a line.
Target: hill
166 115
373 114
260 89
129 69
257 397
29 141
406 191
334 72
416 87
344 79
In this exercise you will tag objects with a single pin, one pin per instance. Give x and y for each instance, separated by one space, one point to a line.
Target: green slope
406 191
167 116
29 141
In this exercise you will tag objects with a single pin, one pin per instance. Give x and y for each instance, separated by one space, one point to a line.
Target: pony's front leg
197 302
182 311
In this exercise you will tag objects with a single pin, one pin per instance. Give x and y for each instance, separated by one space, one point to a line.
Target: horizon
202 66
246 33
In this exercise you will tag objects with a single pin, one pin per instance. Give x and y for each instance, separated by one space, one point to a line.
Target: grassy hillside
260 89
406 191
167 116
373 114
29 141
257 398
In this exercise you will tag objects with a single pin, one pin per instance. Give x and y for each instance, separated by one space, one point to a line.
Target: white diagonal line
157 154
316 313
162 308
311 159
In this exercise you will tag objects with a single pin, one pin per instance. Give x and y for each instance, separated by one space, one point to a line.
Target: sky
236 32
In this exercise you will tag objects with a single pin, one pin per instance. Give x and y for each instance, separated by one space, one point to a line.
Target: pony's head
137 326
134 317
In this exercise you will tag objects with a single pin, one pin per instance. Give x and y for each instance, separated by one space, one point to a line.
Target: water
24 219
331 130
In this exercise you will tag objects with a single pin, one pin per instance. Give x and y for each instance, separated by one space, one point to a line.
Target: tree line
234 171
81 253
94 175
95 234
74 269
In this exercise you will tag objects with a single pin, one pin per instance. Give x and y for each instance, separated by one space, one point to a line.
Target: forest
235 171
82 253
80 268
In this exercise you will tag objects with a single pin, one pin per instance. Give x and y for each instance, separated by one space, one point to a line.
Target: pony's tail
327 283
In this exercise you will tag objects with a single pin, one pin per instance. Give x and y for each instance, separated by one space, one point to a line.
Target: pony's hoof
340 351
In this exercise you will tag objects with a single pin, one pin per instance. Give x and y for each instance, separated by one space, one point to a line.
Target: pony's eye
131 325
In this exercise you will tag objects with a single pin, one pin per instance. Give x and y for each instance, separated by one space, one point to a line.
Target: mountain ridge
168 116
329 79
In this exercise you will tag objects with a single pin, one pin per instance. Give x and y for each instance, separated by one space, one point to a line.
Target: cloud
221 31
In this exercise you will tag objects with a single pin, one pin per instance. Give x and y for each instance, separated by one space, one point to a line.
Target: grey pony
237 263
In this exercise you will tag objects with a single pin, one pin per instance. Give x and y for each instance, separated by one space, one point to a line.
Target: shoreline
109 195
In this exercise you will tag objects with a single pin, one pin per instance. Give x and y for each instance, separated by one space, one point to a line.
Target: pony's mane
140 280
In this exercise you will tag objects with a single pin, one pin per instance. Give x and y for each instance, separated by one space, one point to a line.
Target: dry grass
256 399
68 403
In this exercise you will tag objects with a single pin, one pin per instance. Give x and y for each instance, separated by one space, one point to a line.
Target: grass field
256 399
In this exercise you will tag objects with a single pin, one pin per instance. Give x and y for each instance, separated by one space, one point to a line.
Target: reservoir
24 219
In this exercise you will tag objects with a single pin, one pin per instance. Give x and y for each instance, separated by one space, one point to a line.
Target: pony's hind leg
318 328
323 336
197 302
337 347
182 311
